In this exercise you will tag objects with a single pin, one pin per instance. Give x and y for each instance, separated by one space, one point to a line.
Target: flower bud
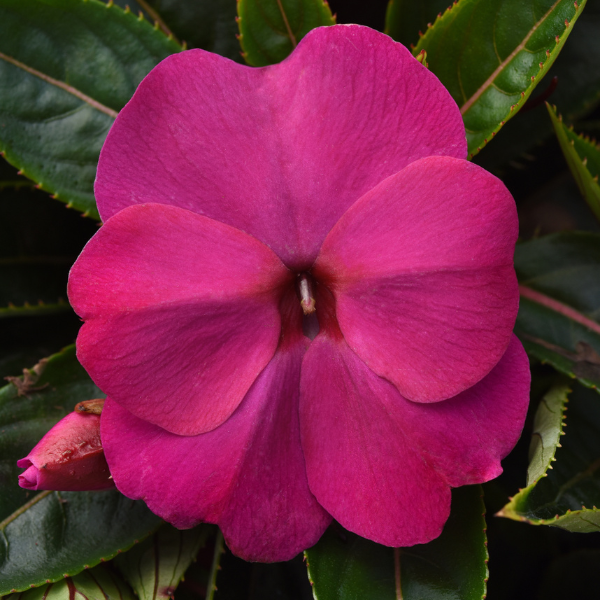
68 458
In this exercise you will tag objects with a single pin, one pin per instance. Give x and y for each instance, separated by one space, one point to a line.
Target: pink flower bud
68 458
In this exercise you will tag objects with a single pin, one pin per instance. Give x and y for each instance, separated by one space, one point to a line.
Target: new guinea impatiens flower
237 199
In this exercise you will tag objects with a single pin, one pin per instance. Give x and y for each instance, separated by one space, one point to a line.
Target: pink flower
232 198
69 457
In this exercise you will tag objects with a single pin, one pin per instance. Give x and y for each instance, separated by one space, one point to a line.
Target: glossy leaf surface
575 91
49 534
343 566
583 157
491 54
96 584
271 29
560 302
59 97
564 494
155 567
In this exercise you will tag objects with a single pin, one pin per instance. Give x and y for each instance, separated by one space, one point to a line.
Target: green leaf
563 483
405 20
271 29
208 24
560 302
155 567
576 93
50 534
343 566
491 54
583 157
66 68
63 533
547 429
211 587
96 584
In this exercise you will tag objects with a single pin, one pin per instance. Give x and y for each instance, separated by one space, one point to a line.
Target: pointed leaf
405 19
343 566
155 567
547 429
575 92
560 302
491 54
271 29
583 157
50 534
60 95
567 492
95 584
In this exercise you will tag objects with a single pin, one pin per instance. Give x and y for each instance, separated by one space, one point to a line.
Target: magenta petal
362 463
465 437
421 269
29 479
176 332
279 152
248 475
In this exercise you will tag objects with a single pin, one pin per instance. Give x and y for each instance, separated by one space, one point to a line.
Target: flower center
304 287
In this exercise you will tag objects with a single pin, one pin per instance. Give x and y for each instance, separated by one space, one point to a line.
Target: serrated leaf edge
38 308
558 125
92 564
510 510
551 56
6 153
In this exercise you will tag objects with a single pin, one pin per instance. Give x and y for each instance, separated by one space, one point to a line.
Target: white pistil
307 300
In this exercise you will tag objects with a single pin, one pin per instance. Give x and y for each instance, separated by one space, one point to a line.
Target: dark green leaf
206 24
66 69
48 535
155 567
563 480
271 29
576 93
96 584
343 566
491 54
406 19
63 533
560 302
583 157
